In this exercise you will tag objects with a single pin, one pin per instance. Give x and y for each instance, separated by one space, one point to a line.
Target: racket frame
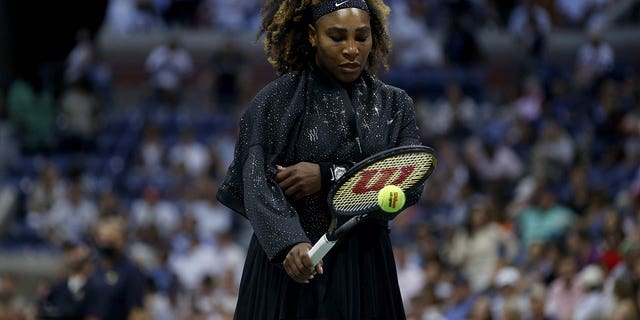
331 237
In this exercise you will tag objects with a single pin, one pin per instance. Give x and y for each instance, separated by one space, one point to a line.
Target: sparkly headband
328 6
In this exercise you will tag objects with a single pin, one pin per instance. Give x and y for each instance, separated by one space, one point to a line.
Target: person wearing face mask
325 112
116 287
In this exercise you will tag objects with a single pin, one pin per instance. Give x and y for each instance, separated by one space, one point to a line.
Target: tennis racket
355 195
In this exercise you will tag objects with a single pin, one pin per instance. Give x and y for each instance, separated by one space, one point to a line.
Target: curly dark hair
286 42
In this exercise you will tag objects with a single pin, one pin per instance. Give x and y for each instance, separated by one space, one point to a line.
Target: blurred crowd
127 16
532 213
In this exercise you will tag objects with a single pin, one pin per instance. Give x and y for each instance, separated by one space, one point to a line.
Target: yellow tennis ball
391 198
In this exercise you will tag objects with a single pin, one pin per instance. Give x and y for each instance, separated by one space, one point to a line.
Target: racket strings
360 192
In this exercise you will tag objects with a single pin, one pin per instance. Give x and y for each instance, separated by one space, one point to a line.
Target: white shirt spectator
456 107
479 253
73 215
503 163
191 267
125 16
211 218
519 20
529 105
168 65
231 257
596 56
592 306
79 59
152 153
190 153
573 10
150 210
416 46
231 14
46 191
80 108
411 278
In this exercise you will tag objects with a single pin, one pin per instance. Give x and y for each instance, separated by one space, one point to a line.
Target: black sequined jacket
306 116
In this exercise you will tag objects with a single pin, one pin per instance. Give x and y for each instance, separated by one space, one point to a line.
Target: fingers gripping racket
355 195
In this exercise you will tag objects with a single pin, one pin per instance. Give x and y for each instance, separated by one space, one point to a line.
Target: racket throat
346 227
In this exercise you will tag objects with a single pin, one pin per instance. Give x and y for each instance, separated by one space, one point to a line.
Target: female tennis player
325 112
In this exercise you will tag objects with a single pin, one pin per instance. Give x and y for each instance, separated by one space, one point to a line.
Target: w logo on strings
376 179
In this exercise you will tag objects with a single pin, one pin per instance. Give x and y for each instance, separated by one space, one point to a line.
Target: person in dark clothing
116 288
460 46
325 112
65 300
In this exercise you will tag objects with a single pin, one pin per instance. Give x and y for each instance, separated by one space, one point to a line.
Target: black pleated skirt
359 282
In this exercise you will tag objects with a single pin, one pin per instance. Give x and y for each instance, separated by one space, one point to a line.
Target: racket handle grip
320 249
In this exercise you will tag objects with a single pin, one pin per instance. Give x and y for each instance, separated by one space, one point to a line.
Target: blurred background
127 110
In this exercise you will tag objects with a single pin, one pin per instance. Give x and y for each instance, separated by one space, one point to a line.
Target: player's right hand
298 264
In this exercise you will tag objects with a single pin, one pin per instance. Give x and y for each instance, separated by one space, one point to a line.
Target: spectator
133 16
425 306
151 157
623 270
509 301
545 220
230 15
494 165
227 69
66 298
481 246
537 293
212 218
461 302
537 265
198 261
227 293
411 278
153 211
12 304
117 286
169 67
529 25
47 189
161 307
574 13
611 239
625 307
80 117
455 115
84 65
415 45
593 304
205 304
72 216
528 107
564 291
481 309
178 13
31 115
553 153
10 148
109 206
578 190
581 245
461 48
190 153
594 59
232 256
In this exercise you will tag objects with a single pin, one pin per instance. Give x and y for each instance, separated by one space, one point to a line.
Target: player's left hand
299 180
